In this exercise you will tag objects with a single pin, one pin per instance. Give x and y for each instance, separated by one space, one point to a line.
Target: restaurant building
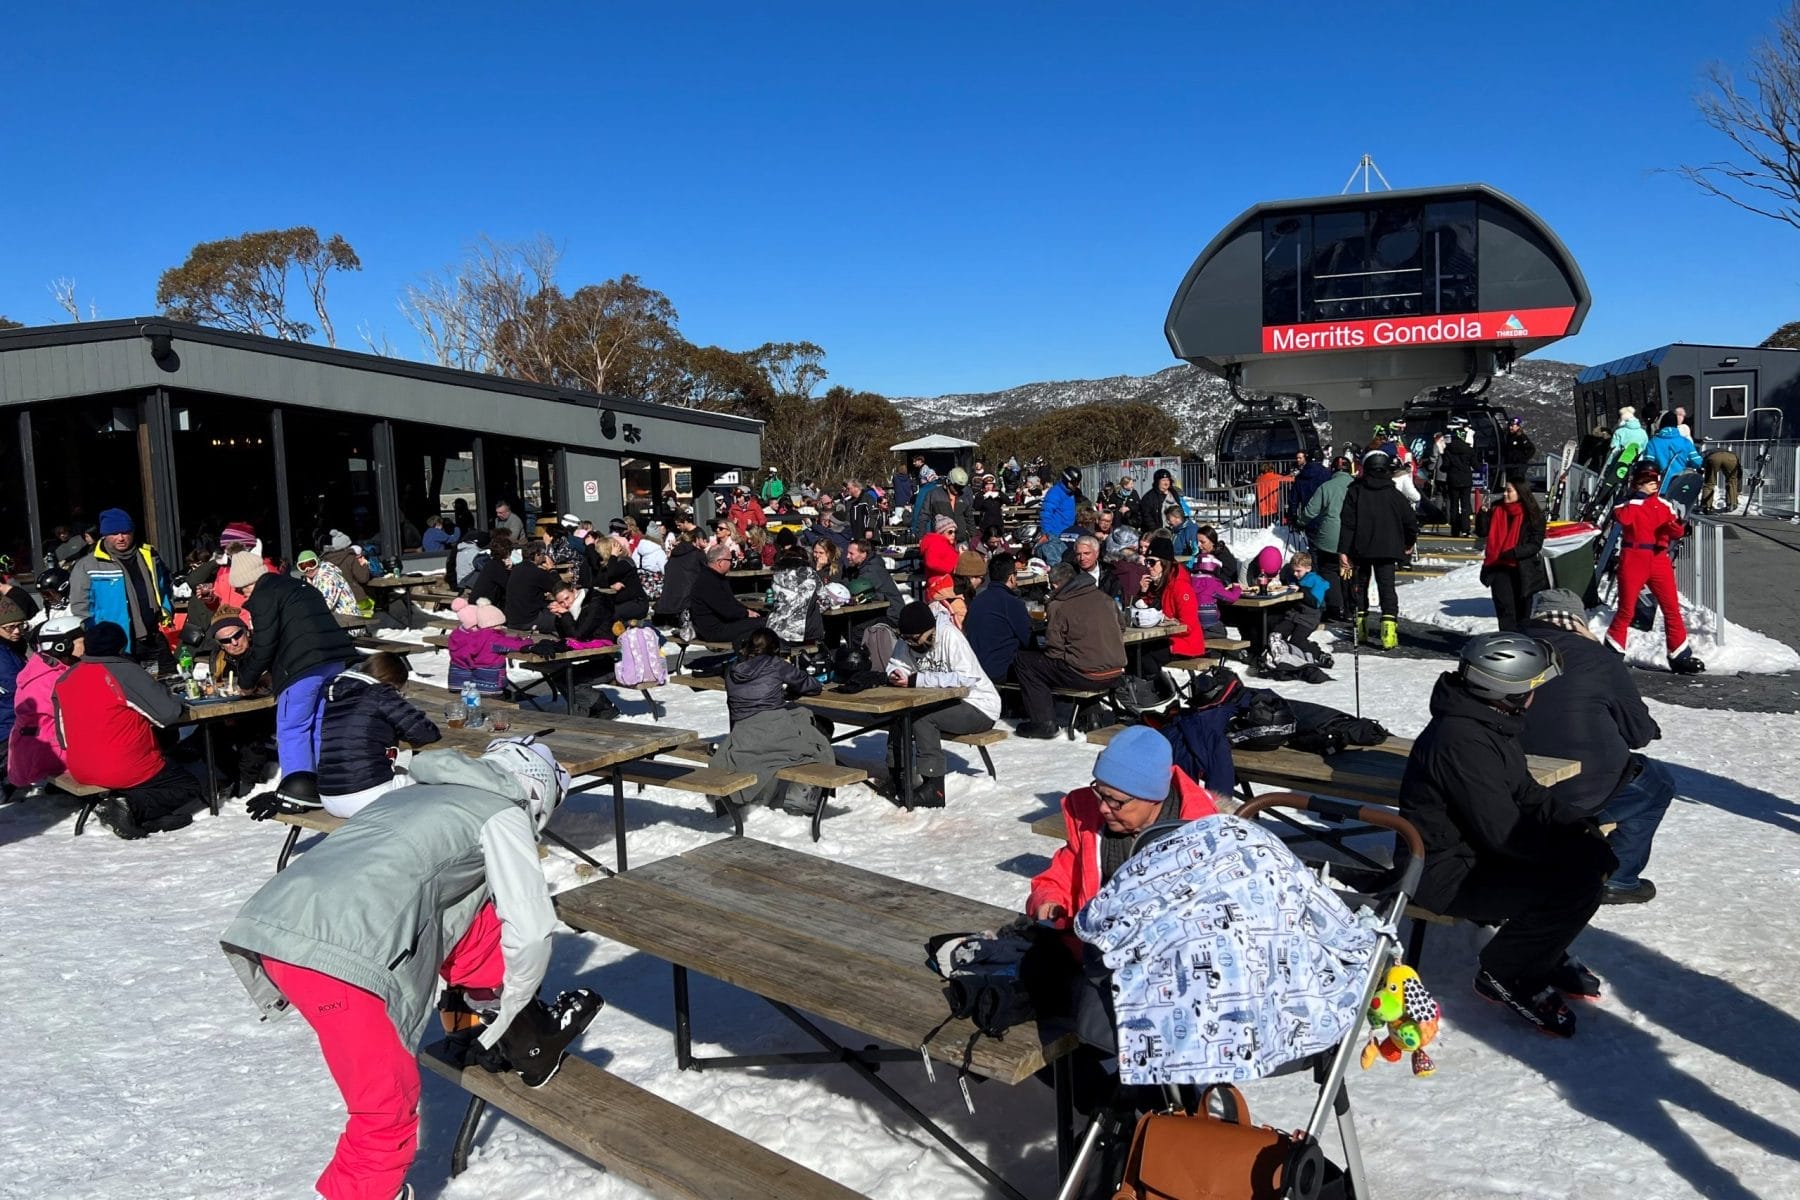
188 428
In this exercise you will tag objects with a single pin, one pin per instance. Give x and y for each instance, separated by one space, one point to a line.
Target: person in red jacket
745 512
1136 784
1646 527
108 710
1169 587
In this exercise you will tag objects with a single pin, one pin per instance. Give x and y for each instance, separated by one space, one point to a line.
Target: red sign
1384 332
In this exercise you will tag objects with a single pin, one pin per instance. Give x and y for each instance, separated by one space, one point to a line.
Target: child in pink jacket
33 753
478 648
1209 589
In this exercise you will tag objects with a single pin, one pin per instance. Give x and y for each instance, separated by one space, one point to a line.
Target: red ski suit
1646 526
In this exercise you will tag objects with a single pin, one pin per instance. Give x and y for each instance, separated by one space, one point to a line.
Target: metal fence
1777 496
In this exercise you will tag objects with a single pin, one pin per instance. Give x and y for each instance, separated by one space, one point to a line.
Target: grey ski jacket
380 903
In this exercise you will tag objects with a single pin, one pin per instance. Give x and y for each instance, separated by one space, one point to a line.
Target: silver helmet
1505 667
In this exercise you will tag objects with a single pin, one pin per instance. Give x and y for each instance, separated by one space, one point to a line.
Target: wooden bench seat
393 647
635 1134
1206 663
715 783
89 795
981 741
1104 737
1080 699
828 776
1228 646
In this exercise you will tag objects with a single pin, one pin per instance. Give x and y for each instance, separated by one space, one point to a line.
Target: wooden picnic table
1370 773
807 933
1262 606
202 714
398 591
876 707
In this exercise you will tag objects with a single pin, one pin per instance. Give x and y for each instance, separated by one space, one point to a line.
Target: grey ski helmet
1505 667
959 477
57 637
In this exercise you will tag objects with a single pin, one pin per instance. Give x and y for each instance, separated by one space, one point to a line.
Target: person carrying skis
439 880
1671 450
1378 528
1647 528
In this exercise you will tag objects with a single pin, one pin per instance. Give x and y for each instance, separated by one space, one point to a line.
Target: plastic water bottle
471 702
184 664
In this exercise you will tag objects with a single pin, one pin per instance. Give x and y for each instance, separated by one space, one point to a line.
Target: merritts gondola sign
1380 332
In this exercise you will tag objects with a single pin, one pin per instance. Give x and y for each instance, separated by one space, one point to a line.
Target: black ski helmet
1377 462
1644 469
53 579
1072 476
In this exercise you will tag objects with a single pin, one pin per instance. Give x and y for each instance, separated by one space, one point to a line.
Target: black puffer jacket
1473 800
764 682
291 632
593 620
1378 522
621 570
1593 713
686 561
527 597
714 606
1459 464
490 581
364 719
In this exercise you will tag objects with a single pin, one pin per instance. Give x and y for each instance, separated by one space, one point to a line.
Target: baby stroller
1306 1173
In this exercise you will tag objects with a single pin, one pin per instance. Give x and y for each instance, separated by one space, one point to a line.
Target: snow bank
141 1068
1458 600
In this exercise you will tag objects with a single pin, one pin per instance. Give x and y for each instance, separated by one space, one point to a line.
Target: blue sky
946 197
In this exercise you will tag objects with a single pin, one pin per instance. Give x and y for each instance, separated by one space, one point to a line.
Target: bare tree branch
1762 122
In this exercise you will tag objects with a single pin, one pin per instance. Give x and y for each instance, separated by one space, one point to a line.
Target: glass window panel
1284 258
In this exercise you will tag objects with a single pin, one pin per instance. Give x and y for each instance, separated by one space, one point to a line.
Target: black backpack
1265 722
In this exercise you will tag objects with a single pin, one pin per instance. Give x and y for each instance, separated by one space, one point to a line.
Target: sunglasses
13 627
228 639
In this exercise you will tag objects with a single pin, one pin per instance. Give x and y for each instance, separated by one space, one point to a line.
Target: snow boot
1035 729
539 1037
801 800
299 789
116 815
930 793
1543 1007
1685 663
1390 632
1643 892
168 824
1572 978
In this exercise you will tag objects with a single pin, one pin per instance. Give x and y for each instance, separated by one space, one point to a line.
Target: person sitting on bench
438 881
1594 714
932 652
366 719
1495 850
717 614
1084 648
768 730
108 710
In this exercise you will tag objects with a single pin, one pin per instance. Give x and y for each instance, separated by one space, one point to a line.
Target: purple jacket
472 648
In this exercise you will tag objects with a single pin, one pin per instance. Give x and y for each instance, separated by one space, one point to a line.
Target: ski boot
536 1042
1360 633
1685 663
1390 632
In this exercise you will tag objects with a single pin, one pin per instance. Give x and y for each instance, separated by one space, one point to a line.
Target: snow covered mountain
1540 390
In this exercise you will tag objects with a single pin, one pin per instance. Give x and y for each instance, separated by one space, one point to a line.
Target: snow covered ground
141 1069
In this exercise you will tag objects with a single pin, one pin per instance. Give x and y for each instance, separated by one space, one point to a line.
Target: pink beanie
489 616
1268 561
465 616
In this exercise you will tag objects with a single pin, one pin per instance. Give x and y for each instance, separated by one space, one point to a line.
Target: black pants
164 793
1456 502
928 736
1383 570
1153 658
1325 562
1038 673
1543 908
1512 604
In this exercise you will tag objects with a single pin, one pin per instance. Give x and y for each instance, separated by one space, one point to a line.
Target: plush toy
1411 1016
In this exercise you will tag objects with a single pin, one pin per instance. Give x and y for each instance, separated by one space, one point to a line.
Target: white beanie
246 569
1627 412
339 540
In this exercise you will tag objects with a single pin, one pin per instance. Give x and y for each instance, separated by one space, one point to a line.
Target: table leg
618 782
569 682
905 757
684 1033
212 779
465 1136
1064 1075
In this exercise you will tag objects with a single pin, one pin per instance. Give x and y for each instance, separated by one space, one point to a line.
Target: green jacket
381 903
773 489
1324 508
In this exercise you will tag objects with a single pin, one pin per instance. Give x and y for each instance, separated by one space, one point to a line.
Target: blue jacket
1058 512
436 541
1185 540
1202 749
998 627
99 591
904 489
1315 586
1308 481
11 663
1672 452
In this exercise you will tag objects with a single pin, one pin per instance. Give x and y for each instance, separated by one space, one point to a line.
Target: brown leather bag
1175 1156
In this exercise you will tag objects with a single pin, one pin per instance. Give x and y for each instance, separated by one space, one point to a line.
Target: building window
1731 400
1681 392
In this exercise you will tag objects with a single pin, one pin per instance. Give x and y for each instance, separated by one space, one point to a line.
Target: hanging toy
1410 1013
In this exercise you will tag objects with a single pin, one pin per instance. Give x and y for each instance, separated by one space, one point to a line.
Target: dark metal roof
1631 363
83 332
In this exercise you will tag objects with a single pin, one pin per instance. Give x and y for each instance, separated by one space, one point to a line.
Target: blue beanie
1137 762
116 520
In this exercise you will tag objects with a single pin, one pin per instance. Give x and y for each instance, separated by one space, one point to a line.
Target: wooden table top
351 621
1250 600
404 582
838 941
212 710
1369 773
875 701
581 751
1131 633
